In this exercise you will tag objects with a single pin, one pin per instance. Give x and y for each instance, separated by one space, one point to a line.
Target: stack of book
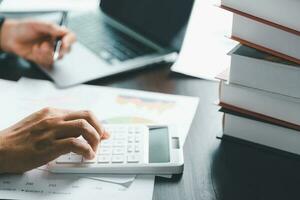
260 94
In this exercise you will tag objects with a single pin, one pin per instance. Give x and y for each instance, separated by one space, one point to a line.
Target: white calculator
131 149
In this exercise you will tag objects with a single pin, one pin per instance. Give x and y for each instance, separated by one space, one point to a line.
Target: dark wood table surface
214 169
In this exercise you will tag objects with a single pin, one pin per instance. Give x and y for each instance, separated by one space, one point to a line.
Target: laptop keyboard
107 42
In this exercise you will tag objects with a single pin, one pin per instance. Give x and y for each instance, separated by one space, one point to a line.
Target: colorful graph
150 104
127 120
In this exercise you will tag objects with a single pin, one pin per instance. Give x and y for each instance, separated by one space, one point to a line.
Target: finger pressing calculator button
89 161
117 159
103 159
132 158
117 151
75 159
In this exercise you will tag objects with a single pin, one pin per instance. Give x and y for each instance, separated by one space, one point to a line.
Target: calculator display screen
159 150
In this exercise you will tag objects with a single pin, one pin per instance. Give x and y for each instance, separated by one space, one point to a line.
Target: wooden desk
213 169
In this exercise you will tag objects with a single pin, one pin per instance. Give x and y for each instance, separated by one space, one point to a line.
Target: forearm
2 19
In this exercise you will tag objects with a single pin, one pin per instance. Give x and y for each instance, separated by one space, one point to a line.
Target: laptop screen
162 21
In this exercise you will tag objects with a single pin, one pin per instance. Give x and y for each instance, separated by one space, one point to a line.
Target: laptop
122 36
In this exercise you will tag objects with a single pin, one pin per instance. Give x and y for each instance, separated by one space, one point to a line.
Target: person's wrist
6 40
2 155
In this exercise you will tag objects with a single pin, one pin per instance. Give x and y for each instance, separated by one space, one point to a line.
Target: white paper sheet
204 52
8 90
7 84
47 5
40 184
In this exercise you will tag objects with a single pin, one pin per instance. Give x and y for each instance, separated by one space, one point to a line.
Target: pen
58 41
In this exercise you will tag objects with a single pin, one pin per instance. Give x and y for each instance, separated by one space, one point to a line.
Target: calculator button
137 148
119 143
130 139
75 159
137 138
121 129
133 159
109 130
117 151
105 143
130 130
104 151
90 161
137 129
120 136
103 159
117 159
130 149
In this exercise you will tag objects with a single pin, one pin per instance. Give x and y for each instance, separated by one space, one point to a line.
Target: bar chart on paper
147 104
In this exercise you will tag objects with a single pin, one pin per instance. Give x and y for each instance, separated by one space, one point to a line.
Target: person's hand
47 134
34 40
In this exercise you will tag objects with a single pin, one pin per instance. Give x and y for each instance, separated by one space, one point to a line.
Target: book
253 68
280 109
266 37
283 13
262 133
